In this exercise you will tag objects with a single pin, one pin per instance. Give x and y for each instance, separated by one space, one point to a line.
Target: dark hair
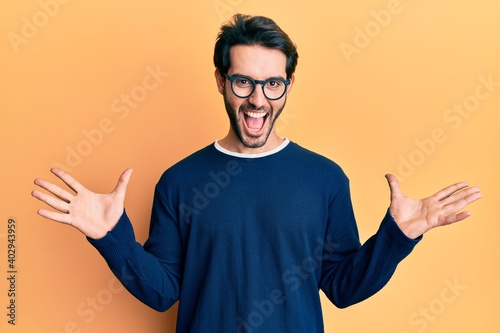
253 30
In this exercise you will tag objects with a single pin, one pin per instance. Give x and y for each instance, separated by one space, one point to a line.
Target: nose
257 98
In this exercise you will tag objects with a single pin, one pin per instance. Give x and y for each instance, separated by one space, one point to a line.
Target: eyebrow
270 78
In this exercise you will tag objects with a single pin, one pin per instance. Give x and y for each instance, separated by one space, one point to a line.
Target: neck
232 143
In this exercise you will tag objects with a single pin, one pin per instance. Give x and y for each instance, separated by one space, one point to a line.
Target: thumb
394 186
121 186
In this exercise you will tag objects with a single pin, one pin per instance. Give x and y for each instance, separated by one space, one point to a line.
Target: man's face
252 119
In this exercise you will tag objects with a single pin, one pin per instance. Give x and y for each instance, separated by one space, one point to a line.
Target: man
245 231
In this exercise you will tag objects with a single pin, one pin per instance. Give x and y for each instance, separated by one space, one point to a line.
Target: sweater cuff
391 230
116 238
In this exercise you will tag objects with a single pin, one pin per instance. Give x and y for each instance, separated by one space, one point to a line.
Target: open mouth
255 120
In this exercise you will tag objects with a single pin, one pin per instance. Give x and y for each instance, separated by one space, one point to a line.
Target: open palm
92 213
417 216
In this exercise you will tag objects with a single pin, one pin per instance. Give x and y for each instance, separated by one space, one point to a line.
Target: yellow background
368 109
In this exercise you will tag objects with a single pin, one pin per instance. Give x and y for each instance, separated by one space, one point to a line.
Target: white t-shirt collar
245 155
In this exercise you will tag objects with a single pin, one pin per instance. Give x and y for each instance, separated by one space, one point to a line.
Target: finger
463 194
449 213
447 191
58 204
121 186
67 179
463 202
456 217
58 217
394 186
54 189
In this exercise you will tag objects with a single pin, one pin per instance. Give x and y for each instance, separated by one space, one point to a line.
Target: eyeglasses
244 86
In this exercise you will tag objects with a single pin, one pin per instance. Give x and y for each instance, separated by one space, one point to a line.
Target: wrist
411 229
97 234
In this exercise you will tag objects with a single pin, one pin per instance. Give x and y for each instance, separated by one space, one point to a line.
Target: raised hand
92 213
417 216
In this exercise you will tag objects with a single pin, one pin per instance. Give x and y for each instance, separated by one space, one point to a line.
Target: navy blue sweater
245 244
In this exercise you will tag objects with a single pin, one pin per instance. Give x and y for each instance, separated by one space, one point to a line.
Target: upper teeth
255 114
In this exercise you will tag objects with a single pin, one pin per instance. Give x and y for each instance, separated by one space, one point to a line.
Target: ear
220 80
289 88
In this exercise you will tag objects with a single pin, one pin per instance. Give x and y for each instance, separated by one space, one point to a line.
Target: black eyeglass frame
255 82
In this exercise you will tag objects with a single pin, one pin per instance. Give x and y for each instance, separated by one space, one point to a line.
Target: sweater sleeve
351 273
152 273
